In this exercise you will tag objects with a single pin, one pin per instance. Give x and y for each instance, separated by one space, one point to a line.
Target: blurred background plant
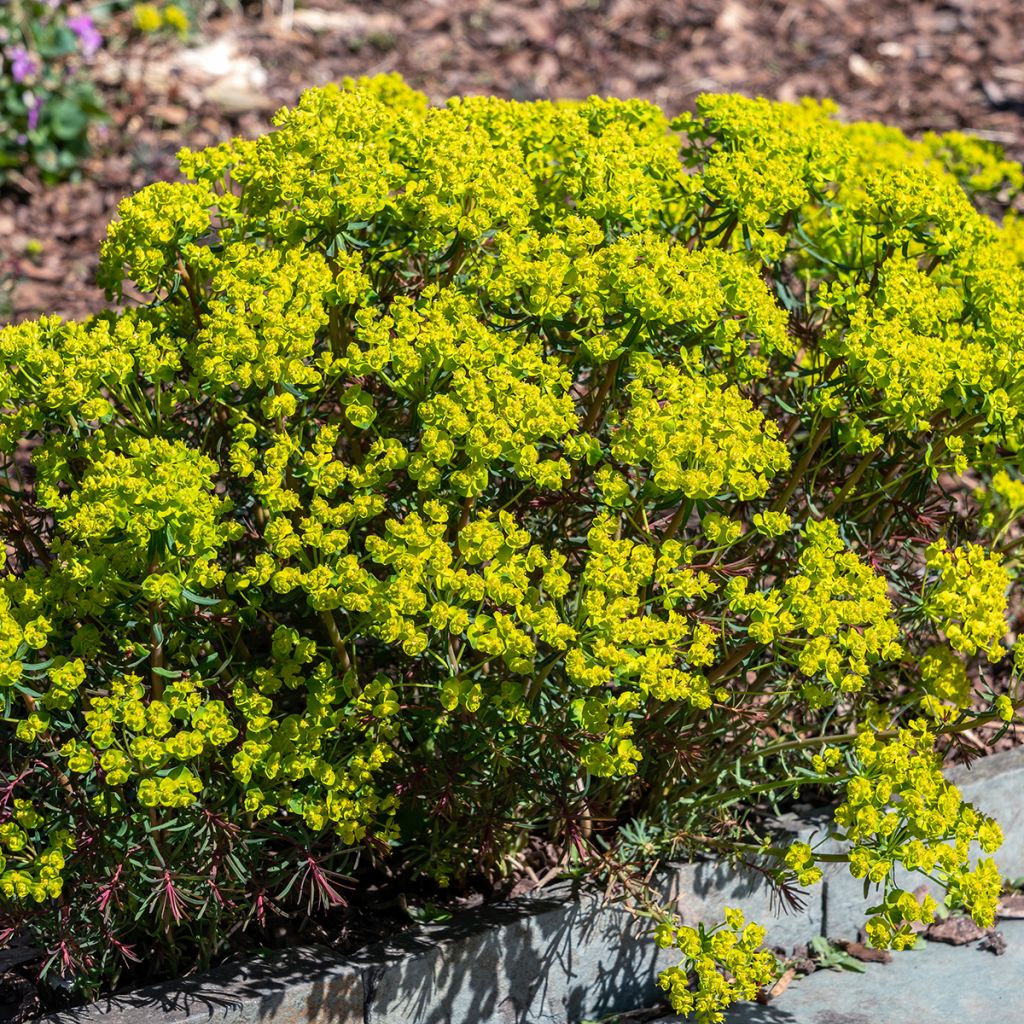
151 18
47 102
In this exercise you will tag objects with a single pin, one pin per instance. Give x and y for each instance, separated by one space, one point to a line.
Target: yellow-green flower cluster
265 309
484 467
696 436
154 227
967 599
77 370
28 872
900 811
721 966
1002 503
832 619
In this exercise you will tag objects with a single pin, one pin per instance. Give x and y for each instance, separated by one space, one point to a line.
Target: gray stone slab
537 961
295 986
937 985
552 960
702 891
995 785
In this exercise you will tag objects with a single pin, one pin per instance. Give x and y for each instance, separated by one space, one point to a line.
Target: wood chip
778 988
1011 906
48 273
234 98
522 887
350 22
993 943
955 931
863 69
866 954
169 113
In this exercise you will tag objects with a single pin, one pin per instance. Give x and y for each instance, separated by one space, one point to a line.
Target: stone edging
549 959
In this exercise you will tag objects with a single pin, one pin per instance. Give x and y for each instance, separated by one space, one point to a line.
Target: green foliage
510 467
47 102
829 956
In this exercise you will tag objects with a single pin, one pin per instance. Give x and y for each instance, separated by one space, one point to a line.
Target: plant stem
337 642
801 467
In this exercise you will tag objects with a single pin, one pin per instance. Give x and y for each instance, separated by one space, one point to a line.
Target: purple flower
22 65
33 113
89 38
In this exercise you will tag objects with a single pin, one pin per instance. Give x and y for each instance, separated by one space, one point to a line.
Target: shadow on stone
555 960
756 1013
307 984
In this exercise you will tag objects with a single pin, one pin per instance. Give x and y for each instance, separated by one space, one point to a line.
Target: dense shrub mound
500 469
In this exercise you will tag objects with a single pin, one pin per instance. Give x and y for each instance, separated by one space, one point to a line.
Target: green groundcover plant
507 468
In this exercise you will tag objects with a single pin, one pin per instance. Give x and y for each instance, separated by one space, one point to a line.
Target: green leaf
166 673
206 602
846 962
68 120
36 666
429 913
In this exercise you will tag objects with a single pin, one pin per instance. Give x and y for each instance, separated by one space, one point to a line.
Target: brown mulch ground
920 64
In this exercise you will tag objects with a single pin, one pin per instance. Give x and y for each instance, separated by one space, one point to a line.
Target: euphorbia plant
508 467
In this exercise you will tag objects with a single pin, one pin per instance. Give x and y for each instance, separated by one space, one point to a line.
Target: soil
920 64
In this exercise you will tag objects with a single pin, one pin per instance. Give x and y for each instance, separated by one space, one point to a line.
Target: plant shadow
557 958
308 984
